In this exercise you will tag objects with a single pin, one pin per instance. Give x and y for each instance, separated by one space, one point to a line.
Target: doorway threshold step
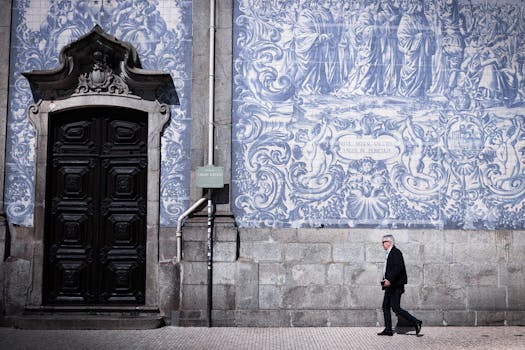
79 320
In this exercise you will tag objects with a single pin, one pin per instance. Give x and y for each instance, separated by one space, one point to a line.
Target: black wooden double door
96 194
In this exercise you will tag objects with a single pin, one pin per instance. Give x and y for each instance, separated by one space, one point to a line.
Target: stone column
5 29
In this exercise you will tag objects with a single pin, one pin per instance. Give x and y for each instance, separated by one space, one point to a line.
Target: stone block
460 318
225 251
316 297
225 233
516 297
363 274
482 237
169 282
436 274
348 252
194 272
194 297
194 251
17 282
261 251
309 274
224 272
443 297
486 298
515 318
414 274
413 252
456 236
431 318
335 274
268 235
309 318
247 291
313 235
270 297
274 274
366 297
167 249
437 251
262 318
223 318
308 252
352 318
464 275
374 253
490 318
223 297
474 253
195 232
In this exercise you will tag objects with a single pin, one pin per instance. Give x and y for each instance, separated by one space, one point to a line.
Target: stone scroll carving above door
99 63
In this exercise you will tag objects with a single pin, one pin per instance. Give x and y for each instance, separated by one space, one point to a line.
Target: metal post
210 256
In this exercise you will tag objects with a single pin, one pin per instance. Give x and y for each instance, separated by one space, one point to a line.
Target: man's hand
387 283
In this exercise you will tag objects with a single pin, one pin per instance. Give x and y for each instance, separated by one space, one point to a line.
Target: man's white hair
388 238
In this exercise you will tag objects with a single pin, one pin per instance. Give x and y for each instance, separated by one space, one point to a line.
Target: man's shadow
405 327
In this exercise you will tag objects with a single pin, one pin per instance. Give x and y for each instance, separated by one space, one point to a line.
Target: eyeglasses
385 242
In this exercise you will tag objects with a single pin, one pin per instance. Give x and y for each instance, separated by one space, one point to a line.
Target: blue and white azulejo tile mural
160 30
400 113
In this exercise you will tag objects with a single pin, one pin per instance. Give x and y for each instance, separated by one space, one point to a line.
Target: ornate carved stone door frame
99 70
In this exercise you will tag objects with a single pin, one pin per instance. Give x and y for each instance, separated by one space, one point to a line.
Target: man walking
393 283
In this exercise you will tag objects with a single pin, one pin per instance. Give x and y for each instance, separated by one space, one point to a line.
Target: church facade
335 122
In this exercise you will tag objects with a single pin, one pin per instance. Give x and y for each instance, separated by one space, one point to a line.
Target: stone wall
5 27
321 277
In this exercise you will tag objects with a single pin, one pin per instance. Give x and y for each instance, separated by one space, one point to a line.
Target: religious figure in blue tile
417 44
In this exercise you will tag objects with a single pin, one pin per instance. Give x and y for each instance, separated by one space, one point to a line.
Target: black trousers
392 300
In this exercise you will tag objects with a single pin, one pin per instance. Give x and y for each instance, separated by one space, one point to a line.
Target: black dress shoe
418 327
385 332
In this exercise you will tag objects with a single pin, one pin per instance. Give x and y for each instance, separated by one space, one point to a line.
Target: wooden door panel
95 233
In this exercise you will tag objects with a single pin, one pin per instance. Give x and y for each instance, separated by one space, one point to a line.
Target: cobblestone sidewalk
442 338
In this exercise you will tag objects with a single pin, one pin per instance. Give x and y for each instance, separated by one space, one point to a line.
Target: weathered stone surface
169 282
309 274
308 252
224 251
261 251
194 297
443 297
436 274
475 253
437 251
270 297
365 274
460 318
272 273
334 236
366 297
490 318
262 318
223 318
309 318
224 272
247 291
17 282
316 297
194 251
194 272
268 235
480 274
348 252
486 298
225 233
515 318
429 317
223 297
350 318
335 274
374 253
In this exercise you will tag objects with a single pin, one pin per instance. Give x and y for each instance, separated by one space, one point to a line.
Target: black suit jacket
396 272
